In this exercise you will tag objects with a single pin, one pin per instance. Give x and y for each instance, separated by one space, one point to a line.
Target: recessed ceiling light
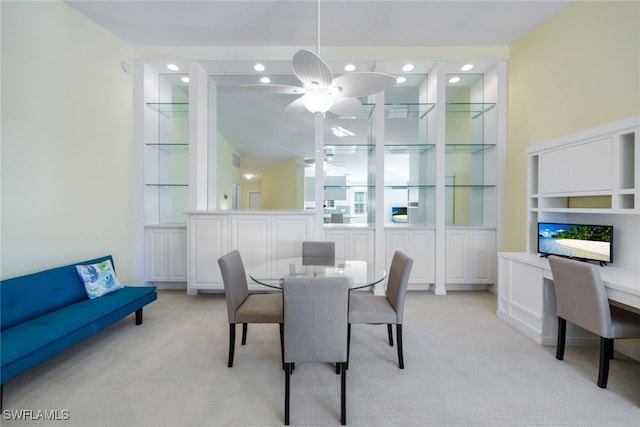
454 79
265 80
408 67
349 67
185 79
401 80
467 67
173 67
258 67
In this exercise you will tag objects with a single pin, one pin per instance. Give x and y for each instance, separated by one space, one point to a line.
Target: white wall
67 141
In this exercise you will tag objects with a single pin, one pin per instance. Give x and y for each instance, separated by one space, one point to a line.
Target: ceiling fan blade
311 69
362 84
296 106
282 89
351 107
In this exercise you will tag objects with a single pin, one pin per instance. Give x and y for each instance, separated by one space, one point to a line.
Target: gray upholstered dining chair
315 327
389 308
318 253
243 307
581 299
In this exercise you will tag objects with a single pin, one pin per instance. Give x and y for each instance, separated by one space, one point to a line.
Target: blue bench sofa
45 313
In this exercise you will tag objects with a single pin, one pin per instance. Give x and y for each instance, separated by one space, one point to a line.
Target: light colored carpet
463 367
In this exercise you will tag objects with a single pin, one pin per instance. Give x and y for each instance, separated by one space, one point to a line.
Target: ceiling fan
320 91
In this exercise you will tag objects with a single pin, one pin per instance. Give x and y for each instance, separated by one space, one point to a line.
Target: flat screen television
581 241
399 214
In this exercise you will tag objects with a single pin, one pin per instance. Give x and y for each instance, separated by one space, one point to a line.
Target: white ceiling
255 122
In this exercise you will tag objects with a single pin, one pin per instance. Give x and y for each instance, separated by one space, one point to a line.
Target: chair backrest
315 319
580 295
235 282
397 282
318 249
318 253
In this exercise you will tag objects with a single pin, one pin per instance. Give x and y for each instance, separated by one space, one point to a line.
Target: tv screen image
581 241
399 214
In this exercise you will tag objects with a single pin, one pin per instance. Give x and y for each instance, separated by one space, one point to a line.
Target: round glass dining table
360 273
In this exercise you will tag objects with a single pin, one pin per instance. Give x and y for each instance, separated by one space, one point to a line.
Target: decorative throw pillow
99 279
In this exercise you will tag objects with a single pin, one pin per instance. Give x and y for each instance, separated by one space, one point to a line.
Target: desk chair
389 309
582 300
315 327
243 307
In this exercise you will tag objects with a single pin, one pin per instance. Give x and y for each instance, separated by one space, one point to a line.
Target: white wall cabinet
166 254
352 243
419 244
471 256
260 236
585 167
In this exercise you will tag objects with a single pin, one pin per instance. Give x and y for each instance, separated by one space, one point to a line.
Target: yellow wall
68 191
579 70
283 186
246 188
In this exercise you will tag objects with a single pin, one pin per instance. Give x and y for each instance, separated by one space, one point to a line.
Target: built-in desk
527 301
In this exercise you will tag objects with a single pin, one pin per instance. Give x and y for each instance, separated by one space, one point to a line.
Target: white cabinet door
251 236
419 245
288 232
470 256
580 168
208 241
177 255
166 254
155 254
352 243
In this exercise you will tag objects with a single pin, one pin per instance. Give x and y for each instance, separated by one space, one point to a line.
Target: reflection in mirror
275 147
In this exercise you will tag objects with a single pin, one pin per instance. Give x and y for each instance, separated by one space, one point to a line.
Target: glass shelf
167 185
407 111
408 148
169 146
470 186
347 187
169 107
471 148
474 109
407 186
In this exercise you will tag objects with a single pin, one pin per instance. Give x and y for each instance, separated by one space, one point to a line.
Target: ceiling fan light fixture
318 102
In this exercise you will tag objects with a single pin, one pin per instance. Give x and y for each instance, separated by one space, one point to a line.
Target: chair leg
281 327
390 334
244 333
562 333
606 345
348 344
343 394
287 390
232 343
399 338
